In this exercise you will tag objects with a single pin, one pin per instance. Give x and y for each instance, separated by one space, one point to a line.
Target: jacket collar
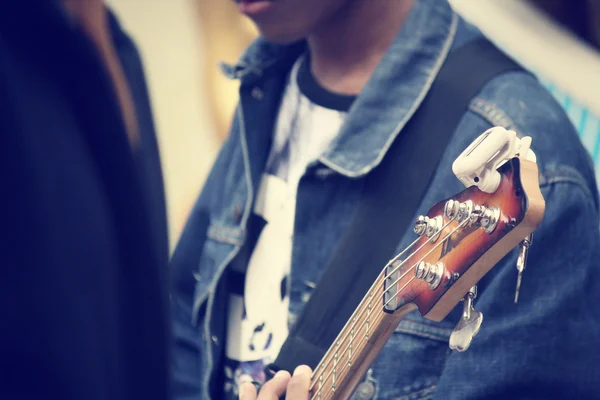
406 71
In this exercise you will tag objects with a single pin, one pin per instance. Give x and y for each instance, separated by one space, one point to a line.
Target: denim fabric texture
541 348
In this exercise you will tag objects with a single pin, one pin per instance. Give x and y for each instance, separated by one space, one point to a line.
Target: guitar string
377 300
422 258
353 318
364 340
362 307
416 251
379 317
360 310
393 260
413 278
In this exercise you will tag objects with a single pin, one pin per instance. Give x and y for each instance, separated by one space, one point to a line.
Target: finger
247 391
274 388
299 384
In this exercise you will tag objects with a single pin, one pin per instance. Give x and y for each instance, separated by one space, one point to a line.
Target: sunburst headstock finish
462 238
459 241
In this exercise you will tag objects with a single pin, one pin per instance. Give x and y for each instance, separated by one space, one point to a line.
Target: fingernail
281 374
243 389
302 369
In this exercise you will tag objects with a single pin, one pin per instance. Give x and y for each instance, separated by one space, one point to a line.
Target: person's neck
345 50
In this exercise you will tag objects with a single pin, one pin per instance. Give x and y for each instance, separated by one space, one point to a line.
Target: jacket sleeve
544 346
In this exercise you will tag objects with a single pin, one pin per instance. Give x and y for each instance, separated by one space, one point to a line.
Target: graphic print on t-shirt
257 320
259 298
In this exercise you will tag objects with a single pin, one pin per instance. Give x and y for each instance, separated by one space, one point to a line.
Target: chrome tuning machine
521 262
430 227
478 215
469 323
430 273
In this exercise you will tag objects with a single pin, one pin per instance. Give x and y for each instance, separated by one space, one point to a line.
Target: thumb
299 386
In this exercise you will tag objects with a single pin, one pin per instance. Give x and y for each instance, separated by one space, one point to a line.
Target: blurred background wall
182 42
169 36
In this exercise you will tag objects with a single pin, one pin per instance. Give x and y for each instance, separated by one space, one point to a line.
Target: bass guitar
458 241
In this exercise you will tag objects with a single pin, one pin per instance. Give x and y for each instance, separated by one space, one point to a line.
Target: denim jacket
543 347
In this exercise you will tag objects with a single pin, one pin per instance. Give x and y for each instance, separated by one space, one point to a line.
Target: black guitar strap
392 193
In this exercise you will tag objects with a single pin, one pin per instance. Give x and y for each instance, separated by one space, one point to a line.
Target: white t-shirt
258 318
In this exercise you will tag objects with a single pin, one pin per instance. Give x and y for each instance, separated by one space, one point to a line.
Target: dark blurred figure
84 243
582 17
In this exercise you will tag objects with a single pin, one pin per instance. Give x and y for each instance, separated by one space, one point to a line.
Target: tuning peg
521 262
469 324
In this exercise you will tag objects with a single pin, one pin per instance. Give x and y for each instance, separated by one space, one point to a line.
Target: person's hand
294 387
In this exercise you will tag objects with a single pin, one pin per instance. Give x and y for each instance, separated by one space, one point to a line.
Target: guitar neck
461 239
356 346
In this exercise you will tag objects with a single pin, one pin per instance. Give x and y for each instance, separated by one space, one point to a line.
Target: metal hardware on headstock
451 208
521 261
478 215
460 239
465 210
430 273
469 324
429 227
490 218
478 166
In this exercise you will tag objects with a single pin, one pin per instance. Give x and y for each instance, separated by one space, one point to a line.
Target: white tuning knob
478 164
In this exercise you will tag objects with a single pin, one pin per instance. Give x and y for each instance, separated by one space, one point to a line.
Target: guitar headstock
462 238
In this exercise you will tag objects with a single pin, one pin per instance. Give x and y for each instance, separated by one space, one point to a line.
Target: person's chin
279 36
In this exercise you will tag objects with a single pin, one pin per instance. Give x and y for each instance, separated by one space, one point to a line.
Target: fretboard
356 346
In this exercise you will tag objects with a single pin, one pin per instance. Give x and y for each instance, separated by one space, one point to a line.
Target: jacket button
257 93
237 214
215 339
365 391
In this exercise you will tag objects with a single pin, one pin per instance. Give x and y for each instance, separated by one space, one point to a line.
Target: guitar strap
392 193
